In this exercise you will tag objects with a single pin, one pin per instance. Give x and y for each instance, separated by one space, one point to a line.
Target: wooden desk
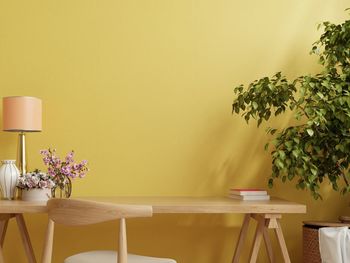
267 214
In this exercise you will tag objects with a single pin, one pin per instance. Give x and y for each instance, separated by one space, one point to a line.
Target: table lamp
22 114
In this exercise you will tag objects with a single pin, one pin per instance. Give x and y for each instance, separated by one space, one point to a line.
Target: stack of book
249 194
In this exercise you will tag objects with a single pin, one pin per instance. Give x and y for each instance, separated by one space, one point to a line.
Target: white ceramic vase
8 179
36 194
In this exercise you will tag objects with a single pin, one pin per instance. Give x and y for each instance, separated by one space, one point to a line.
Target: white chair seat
106 256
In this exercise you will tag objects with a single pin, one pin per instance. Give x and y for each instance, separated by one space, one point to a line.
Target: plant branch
299 107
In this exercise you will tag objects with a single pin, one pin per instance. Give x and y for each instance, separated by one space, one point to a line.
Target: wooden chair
72 212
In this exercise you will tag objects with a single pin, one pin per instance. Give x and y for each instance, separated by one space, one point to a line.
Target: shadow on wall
237 158
245 163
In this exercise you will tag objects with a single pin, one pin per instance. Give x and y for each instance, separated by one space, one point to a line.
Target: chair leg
122 252
25 238
48 245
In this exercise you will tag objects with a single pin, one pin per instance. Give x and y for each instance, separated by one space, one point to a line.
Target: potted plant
317 148
35 186
62 171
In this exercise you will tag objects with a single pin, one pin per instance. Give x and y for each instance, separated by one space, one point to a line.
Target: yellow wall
143 90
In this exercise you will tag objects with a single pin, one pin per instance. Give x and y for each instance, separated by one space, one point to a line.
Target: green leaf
282 155
313 171
291 176
270 183
296 140
310 132
279 164
273 131
289 145
340 147
296 153
320 95
266 146
236 109
278 111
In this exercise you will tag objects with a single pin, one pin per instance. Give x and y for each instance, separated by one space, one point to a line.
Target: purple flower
56 163
69 157
44 152
65 170
75 167
59 170
46 160
51 172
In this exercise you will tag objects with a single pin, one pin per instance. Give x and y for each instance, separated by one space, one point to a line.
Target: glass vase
63 189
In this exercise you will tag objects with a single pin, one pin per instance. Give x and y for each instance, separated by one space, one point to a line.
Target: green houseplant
318 146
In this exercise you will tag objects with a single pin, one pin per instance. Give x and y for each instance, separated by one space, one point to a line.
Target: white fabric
104 256
334 244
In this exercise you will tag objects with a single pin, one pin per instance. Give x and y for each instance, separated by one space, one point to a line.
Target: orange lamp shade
21 113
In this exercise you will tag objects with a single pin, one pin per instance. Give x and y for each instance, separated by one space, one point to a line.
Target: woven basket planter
311 249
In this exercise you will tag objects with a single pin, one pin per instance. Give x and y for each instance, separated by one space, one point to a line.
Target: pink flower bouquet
63 170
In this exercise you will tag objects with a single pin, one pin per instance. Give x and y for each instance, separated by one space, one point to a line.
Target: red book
248 191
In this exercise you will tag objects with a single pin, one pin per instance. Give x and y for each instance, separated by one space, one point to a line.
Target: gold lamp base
22 154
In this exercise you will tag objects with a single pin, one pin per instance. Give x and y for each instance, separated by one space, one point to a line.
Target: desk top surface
177 205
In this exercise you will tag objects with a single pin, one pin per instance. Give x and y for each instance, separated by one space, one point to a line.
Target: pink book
248 191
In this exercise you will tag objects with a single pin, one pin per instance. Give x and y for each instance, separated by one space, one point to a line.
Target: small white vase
36 194
8 179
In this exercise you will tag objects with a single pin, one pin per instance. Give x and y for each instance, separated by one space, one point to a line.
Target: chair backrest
73 212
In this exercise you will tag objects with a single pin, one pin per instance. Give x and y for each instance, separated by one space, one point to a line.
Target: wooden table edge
174 205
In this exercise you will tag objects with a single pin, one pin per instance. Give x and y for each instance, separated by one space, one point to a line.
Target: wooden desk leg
257 240
1 256
282 242
241 239
4 219
265 222
268 244
25 238
3 228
